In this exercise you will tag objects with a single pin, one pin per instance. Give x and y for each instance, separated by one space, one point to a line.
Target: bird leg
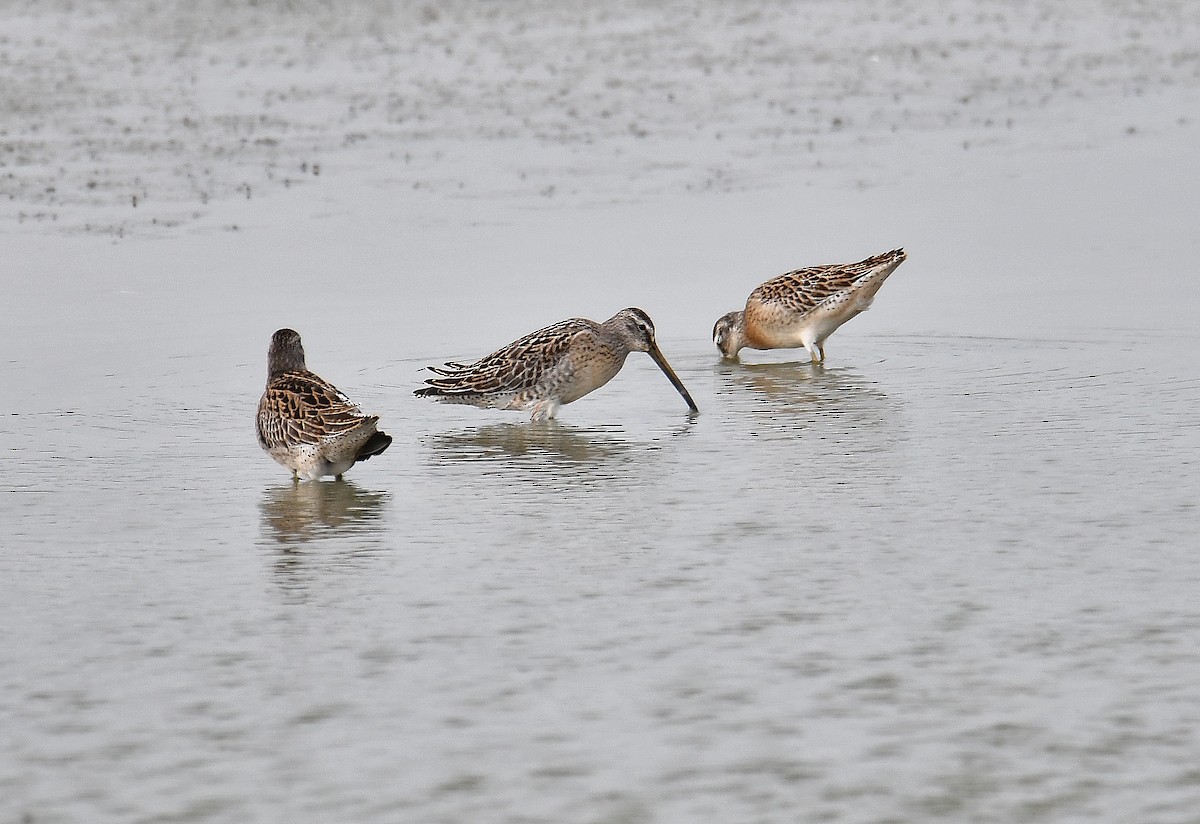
544 410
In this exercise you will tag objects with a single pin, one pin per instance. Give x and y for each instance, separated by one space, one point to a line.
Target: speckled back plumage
803 290
303 408
305 423
513 375
804 307
552 366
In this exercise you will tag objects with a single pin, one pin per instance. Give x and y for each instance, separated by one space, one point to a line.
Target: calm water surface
951 578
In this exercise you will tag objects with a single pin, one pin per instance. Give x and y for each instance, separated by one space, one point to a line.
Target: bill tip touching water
804 307
552 366
305 423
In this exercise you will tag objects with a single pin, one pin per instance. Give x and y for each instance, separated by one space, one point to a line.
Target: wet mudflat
948 576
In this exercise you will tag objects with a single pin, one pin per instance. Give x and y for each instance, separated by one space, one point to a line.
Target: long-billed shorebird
552 366
305 423
804 307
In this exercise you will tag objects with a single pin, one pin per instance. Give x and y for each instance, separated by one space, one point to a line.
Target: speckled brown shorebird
553 366
305 423
804 307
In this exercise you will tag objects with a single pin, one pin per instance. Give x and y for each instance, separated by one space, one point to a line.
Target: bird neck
279 362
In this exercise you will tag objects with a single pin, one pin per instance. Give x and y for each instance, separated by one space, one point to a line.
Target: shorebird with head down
552 366
804 307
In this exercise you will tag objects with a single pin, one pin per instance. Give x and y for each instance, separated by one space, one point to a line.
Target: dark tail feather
375 444
897 255
442 389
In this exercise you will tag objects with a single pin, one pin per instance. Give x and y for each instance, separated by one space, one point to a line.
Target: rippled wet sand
949 576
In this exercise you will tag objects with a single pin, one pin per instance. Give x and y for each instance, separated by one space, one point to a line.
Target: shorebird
552 366
804 307
305 423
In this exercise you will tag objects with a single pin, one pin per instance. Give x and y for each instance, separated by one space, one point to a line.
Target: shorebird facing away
305 423
804 307
552 366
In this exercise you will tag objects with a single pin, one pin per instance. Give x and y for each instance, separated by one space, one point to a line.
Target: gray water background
950 576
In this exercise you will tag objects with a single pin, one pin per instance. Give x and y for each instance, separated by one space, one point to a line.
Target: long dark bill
671 376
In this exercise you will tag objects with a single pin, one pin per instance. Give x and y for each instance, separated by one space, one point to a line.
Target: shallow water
948 576
931 579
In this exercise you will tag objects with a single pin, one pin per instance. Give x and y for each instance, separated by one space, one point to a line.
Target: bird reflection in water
320 525
543 449
798 393
299 513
